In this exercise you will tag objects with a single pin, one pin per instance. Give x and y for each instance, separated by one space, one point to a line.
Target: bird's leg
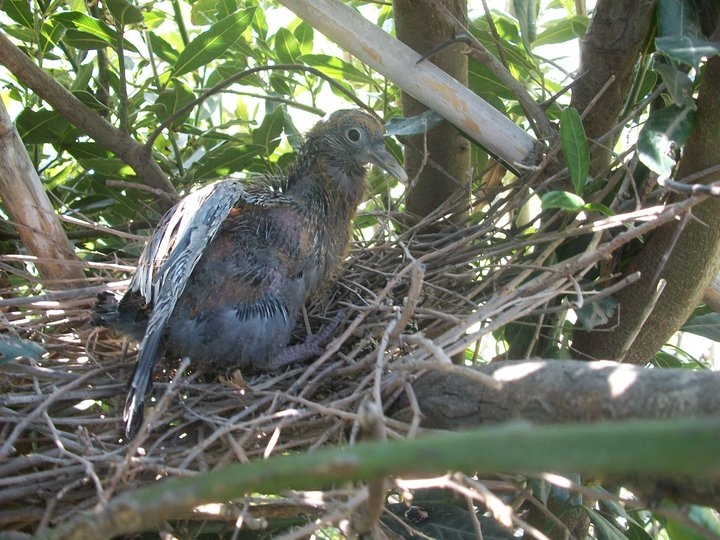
314 345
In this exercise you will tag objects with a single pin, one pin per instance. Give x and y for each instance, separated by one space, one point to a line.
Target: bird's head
346 142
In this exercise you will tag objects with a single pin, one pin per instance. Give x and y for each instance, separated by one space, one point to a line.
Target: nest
409 302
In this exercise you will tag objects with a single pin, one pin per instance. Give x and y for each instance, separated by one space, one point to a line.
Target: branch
678 447
424 81
84 118
32 213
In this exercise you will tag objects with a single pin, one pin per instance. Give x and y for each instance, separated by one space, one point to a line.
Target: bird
228 268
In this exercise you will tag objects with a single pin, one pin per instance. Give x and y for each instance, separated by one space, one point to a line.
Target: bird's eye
353 134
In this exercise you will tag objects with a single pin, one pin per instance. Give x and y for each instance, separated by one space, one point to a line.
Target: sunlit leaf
124 12
212 43
526 12
562 30
304 34
287 47
225 8
18 11
335 67
87 33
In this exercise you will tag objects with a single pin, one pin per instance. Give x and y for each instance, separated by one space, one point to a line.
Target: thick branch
30 210
439 160
688 446
610 50
689 262
549 392
424 81
84 118
546 392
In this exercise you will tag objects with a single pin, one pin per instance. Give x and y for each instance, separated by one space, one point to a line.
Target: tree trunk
614 40
694 257
439 161
29 208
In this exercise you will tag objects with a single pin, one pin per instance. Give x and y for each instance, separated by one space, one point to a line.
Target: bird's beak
385 160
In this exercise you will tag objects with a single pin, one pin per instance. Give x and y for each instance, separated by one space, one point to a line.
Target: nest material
410 301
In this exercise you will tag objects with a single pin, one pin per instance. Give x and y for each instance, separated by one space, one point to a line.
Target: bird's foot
314 345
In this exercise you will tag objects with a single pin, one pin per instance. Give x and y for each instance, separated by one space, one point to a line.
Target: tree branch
32 214
688 261
612 447
85 119
424 81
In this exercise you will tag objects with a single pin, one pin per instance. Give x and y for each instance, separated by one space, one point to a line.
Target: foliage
222 88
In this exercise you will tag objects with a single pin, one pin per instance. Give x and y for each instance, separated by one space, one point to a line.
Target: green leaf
51 34
223 161
171 100
124 12
665 131
677 83
562 30
19 11
203 12
677 18
74 20
575 148
287 47
267 135
526 12
225 8
563 200
599 208
212 43
163 49
305 35
85 41
335 67
707 325
42 126
706 518
87 33
291 131
687 50
107 167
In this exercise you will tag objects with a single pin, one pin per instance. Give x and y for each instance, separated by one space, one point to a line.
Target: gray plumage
228 268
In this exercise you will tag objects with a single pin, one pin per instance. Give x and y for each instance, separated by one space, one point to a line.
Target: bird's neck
326 183
328 195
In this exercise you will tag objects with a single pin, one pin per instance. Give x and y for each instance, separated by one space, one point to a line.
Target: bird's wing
164 268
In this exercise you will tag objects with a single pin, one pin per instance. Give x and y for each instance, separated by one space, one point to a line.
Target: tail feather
141 382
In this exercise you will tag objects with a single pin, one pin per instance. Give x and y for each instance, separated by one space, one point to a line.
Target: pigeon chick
228 268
